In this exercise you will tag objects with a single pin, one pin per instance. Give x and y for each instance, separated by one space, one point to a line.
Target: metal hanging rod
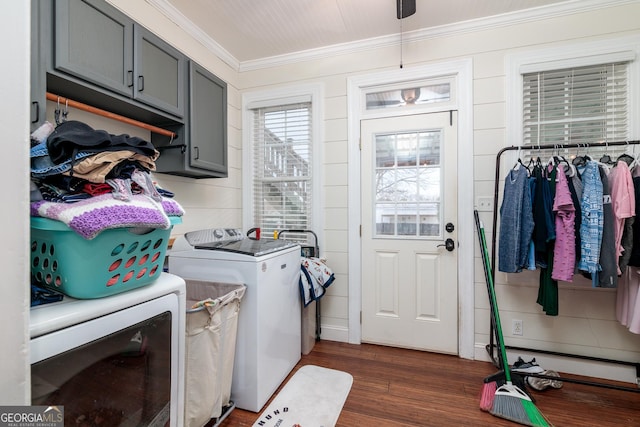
536 147
110 115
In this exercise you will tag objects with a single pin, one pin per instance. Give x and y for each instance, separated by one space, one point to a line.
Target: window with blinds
576 105
282 175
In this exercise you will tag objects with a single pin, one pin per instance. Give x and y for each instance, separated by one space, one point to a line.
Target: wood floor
406 388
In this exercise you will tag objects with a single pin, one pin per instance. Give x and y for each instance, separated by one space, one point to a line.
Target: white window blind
576 105
282 176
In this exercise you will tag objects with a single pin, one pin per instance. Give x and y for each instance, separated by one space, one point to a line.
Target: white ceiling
252 30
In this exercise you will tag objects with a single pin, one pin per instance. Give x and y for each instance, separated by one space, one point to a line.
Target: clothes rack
108 114
491 347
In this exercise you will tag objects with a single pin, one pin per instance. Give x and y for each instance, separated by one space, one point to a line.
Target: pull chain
401 15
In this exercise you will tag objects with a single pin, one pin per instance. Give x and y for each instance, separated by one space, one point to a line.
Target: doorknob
449 245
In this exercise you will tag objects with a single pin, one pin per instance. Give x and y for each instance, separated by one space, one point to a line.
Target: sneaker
541 384
527 367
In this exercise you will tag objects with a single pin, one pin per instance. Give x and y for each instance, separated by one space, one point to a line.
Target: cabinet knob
130 78
140 83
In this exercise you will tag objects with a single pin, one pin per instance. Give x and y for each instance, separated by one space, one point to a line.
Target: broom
493 381
509 401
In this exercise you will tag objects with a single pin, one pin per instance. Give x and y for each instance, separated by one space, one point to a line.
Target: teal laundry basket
115 261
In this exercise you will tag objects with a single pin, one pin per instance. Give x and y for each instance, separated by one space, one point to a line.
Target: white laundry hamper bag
211 330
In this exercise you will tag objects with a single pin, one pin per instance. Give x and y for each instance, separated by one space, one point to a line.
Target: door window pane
408 183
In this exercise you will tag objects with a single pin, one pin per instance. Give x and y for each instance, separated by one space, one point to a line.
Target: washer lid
249 246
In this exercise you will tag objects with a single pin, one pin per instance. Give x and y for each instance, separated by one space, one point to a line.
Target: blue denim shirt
592 219
42 165
516 222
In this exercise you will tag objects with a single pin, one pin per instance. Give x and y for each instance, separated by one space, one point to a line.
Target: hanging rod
108 114
535 147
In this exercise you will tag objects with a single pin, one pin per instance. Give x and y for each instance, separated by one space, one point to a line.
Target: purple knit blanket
91 216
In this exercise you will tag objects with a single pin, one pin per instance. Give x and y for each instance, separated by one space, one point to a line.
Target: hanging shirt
608 275
548 289
564 250
516 222
544 228
634 257
628 300
576 194
623 202
592 219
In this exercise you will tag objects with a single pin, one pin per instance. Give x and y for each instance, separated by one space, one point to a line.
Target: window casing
620 55
282 137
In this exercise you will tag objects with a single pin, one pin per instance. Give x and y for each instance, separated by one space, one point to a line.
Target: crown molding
569 7
174 15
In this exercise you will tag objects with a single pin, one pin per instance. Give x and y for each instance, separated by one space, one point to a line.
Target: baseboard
568 365
334 333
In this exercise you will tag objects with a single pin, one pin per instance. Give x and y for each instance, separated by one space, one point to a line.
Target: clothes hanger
56 112
626 157
579 160
518 161
606 158
569 168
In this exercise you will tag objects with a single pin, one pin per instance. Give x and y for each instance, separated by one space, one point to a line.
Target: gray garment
577 185
608 277
516 222
627 243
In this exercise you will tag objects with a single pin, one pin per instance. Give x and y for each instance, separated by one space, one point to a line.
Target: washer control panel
214 235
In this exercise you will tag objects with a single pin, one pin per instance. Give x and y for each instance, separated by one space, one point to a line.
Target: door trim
463 70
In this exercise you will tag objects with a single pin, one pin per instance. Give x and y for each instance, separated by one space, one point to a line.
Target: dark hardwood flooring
405 388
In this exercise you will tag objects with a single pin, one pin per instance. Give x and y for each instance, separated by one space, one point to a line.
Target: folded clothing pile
92 180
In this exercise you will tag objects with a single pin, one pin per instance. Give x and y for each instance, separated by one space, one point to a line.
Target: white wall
586 323
14 113
218 202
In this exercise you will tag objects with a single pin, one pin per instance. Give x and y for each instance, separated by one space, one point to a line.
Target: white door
409 210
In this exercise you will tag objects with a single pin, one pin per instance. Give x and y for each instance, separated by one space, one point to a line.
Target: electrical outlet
516 327
484 204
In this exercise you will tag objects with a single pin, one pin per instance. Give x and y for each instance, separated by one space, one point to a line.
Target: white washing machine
268 343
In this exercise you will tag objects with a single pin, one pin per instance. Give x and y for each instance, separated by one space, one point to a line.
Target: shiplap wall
586 322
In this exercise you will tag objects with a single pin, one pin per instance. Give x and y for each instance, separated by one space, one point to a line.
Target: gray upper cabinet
201 148
207 120
97 43
94 42
159 72
38 74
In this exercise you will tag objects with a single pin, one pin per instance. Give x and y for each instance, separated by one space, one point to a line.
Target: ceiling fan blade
405 8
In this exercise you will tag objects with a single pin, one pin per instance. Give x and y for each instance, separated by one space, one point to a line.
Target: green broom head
513 404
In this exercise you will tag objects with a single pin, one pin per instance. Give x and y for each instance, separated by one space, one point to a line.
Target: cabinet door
94 42
38 66
159 72
207 121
